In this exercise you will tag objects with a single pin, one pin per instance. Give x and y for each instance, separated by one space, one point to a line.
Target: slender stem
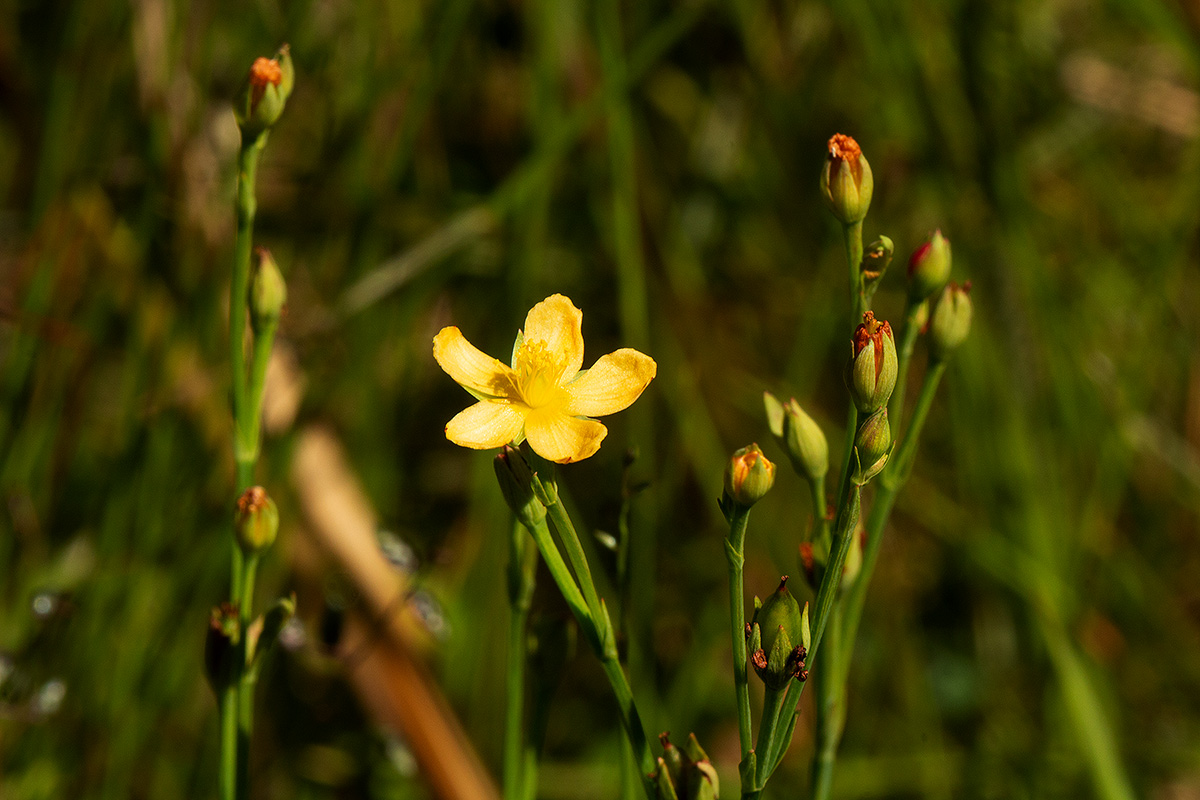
594 629
561 574
820 521
827 675
234 770
246 678
767 731
847 521
734 553
575 554
249 431
852 235
522 566
908 341
890 482
228 775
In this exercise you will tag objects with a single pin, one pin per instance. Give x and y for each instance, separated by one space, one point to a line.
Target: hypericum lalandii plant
836 554
546 399
237 642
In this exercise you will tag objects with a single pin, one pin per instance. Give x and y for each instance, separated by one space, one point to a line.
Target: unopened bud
846 180
949 320
876 259
256 521
664 785
929 267
265 93
749 476
778 634
268 292
221 649
799 435
516 484
871 374
873 442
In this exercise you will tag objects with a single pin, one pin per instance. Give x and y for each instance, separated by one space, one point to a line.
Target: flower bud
929 267
799 435
876 260
221 647
256 522
749 476
516 484
846 180
949 320
777 639
268 292
664 784
265 93
873 442
871 374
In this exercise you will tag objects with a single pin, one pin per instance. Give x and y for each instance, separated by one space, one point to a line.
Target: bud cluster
686 774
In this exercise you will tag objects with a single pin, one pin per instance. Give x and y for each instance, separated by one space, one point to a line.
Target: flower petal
612 384
557 322
485 425
557 437
470 367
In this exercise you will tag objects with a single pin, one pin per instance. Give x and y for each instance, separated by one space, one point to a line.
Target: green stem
847 521
734 554
594 631
890 483
767 731
522 568
228 774
852 235
247 206
827 675
908 341
245 678
593 618
821 522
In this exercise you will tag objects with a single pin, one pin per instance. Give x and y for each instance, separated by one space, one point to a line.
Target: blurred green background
454 162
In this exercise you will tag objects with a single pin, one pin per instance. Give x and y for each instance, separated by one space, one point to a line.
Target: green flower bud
672 758
516 484
256 522
703 783
749 476
779 629
799 435
949 320
663 784
221 647
265 93
268 292
871 374
846 180
929 267
873 443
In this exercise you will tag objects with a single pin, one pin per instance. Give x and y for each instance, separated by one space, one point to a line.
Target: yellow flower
543 397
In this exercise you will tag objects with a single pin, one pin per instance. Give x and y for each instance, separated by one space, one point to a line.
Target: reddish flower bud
871 374
749 476
929 267
846 180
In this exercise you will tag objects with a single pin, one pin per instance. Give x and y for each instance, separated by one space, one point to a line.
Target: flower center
538 373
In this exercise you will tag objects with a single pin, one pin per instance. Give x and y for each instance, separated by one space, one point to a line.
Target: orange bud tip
843 148
263 71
